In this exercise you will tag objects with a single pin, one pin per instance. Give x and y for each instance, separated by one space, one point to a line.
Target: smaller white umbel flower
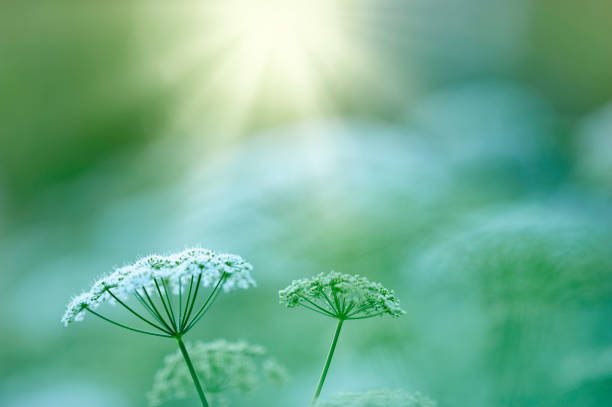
342 297
379 398
225 368
168 290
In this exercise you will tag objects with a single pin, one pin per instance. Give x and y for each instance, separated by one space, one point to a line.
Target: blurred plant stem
327 362
192 371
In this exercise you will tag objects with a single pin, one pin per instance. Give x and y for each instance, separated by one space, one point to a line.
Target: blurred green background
459 152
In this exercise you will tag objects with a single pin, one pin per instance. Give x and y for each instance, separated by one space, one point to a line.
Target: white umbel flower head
341 296
190 269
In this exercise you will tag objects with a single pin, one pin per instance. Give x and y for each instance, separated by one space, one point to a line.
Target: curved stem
151 311
152 303
327 363
192 371
336 301
193 300
357 311
315 305
180 307
199 314
161 297
317 311
169 303
187 304
206 305
127 327
367 316
349 308
136 313
329 301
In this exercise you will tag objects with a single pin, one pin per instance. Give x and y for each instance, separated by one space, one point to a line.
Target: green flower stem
192 371
327 362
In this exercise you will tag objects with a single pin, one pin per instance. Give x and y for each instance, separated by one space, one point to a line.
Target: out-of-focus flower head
224 367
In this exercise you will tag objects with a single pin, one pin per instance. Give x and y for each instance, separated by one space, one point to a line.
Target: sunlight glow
247 64
285 33
253 60
283 42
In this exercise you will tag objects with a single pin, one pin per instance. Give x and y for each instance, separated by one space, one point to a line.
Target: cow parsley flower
343 297
167 289
379 398
225 368
160 276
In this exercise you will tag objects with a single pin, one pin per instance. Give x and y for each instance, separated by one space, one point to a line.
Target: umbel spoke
176 327
187 303
152 311
169 325
135 313
155 310
180 306
211 298
161 297
161 274
127 327
193 300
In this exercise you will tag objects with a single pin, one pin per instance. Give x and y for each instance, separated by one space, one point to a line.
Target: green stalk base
327 363
192 371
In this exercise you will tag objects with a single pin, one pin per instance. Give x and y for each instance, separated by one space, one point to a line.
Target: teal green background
471 173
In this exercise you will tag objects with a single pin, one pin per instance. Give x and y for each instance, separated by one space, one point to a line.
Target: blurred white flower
224 368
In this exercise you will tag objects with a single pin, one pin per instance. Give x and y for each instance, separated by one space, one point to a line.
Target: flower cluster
175 272
379 398
341 296
224 367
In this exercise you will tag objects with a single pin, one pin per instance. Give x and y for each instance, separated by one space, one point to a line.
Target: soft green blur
459 152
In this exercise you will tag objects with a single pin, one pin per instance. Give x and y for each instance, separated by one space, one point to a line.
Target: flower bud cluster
342 296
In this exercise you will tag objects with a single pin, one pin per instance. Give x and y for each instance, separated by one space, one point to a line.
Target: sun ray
235 65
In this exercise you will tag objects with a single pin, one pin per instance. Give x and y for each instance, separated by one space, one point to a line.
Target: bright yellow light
282 25
239 55
285 41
